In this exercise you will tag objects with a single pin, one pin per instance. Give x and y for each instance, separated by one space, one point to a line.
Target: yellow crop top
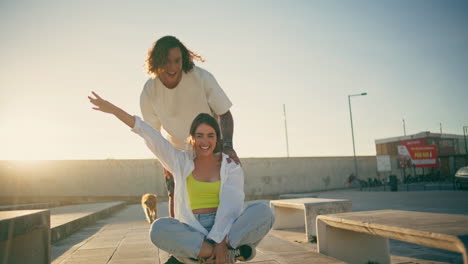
203 194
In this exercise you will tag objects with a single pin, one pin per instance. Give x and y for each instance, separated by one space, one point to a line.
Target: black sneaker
183 260
173 260
242 253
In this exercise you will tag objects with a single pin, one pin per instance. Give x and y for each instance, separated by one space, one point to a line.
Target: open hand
232 155
102 105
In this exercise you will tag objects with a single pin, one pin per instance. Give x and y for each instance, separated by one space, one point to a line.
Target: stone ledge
25 236
338 232
302 212
73 224
29 206
15 223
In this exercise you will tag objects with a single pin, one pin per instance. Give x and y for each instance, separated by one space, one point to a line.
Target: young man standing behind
176 93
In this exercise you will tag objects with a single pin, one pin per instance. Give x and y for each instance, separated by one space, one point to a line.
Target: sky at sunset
411 57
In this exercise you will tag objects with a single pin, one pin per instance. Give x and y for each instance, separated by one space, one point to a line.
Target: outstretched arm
107 107
164 151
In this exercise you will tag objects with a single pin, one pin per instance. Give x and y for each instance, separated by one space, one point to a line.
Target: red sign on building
424 155
418 153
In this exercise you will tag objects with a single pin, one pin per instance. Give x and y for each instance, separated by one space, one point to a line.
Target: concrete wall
263 176
271 176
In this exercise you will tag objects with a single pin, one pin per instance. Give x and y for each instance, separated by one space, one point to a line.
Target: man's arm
227 129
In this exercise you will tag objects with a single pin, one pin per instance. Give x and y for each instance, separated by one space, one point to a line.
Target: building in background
428 155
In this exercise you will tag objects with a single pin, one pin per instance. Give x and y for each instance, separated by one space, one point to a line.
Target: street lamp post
352 130
286 129
465 128
404 127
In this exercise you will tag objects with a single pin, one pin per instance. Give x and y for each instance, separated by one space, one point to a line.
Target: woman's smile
204 141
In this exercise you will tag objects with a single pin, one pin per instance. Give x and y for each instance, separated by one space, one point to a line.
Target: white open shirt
180 163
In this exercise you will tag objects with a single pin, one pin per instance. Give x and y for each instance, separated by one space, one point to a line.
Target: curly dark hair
157 55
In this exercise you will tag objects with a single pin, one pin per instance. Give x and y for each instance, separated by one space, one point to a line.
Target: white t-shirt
174 109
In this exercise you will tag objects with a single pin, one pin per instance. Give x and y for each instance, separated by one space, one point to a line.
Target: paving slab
120 238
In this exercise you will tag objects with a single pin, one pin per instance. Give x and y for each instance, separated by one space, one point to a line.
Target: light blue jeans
180 239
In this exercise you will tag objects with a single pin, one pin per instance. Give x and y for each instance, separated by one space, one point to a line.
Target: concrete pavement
123 237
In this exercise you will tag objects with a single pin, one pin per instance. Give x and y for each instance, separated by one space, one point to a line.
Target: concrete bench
360 237
25 236
295 213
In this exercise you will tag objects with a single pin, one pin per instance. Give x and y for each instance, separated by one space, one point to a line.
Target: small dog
149 203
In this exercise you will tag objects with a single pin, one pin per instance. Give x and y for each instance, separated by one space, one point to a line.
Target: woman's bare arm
107 107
